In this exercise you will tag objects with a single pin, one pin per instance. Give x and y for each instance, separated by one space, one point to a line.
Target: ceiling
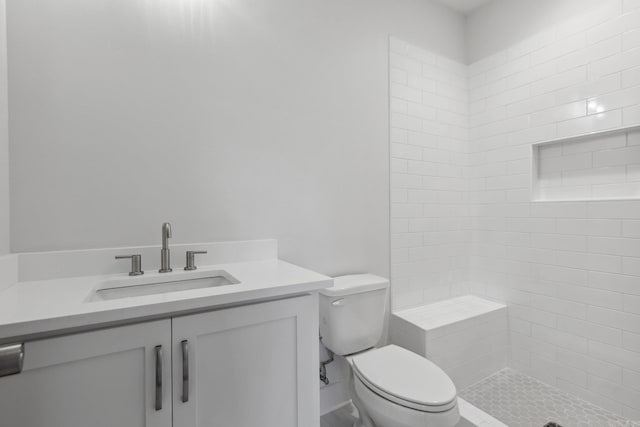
464 6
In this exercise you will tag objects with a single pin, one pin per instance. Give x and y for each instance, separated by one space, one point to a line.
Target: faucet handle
136 264
191 259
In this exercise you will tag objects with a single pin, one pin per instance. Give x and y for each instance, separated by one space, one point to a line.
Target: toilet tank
352 313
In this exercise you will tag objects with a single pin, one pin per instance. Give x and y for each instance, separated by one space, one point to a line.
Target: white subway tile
416 81
398 165
625 358
399 225
615 209
531 74
608 29
398 76
614 318
404 151
602 401
615 246
565 163
615 282
591 331
614 100
560 48
542 366
559 338
559 113
631 116
615 391
631 379
589 124
402 180
406 93
509 97
615 191
533 104
533 135
513 66
398 106
405 240
420 111
631 266
632 305
404 63
420 55
594 176
559 306
589 227
591 296
600 86
399 135
631 77
630 5
631 39
559 81
617 157
594 144
591 365
559 210
559 242
614 64
631 228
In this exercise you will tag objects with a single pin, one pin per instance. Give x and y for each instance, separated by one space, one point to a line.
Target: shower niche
598 166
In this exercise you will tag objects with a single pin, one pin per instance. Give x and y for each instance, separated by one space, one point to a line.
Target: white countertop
34 308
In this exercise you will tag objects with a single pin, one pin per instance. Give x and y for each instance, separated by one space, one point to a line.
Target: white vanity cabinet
103 378
246 366
249 366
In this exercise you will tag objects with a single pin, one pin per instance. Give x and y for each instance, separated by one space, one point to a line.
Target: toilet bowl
393 387
390 386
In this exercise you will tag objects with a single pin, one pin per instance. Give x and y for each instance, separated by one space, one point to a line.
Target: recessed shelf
597 166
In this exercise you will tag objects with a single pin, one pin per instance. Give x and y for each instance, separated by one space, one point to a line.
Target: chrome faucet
165 254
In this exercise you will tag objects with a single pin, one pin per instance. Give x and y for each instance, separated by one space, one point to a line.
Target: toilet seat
405 378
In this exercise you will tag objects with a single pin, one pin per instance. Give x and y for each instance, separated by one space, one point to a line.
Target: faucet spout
166 234
165 253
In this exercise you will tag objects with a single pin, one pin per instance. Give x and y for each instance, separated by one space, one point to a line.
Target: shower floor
521 401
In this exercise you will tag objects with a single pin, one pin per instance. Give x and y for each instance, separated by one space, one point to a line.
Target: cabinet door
255 365
104 378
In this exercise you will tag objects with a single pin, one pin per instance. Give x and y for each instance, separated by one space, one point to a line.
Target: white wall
4 137
429 176
500 23
233 120
569 271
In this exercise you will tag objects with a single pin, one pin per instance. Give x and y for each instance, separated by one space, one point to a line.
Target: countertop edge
82 322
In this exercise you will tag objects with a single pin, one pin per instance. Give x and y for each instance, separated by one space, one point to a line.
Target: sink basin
157 283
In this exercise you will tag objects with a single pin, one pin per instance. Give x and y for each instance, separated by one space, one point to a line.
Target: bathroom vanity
239 354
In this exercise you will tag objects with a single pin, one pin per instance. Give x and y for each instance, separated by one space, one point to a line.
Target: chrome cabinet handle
185 370
11 359
158 377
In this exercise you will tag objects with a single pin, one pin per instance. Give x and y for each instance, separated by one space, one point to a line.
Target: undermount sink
156 283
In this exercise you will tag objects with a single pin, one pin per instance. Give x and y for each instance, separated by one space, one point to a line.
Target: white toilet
390 386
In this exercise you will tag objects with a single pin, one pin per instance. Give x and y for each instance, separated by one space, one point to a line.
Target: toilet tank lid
355 284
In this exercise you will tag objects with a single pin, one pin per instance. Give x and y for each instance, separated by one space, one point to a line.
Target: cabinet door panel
102 378
249 366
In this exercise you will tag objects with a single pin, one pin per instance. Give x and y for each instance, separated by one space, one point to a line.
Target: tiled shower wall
569 271
429 176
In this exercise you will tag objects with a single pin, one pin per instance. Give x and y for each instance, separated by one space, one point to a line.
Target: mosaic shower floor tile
521 401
